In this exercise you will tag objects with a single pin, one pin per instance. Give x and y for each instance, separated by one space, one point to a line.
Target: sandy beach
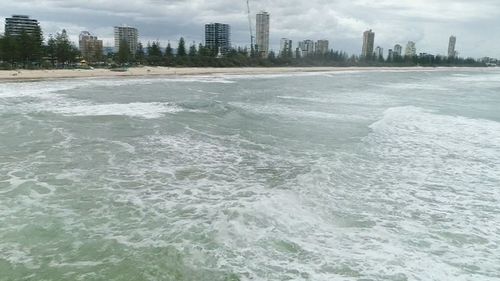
19 75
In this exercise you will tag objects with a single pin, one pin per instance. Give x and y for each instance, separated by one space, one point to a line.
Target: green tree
203 51
154 53
123 56
140 55
169 53
192 51
25 48
65 51
50 50
38 48
181 49
10 49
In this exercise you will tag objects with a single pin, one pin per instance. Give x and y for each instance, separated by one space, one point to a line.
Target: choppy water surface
328 176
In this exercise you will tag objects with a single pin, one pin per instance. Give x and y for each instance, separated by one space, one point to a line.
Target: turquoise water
387 175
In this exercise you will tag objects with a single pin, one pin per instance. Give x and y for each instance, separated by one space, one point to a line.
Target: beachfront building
262 34
379 52
411 50
306 48
398 50
129 35
368 44
390 54
286 48
18 24
90 46
451 47
322 47
218 37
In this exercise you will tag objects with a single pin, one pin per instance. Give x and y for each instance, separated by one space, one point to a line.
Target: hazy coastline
19 75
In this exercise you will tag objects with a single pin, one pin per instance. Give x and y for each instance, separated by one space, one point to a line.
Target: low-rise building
18 24
91 47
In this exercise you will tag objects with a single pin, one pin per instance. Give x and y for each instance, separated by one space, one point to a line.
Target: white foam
486 77
415 86
143 110
295 113
453 132
48 98
41 89
44 89
17 255
220 79
273 76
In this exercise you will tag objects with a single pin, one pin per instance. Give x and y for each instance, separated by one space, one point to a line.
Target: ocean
353 175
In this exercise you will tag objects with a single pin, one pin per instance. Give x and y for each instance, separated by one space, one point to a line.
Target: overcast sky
429 23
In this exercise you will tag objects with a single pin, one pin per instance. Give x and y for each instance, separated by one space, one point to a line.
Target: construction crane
252 37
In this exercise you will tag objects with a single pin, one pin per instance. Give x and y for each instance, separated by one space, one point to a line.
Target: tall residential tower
451 47
262 34
126 34
286 48
411 49
305 48
398 50
368 43
379 53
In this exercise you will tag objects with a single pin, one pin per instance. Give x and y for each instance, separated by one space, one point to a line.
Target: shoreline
30 75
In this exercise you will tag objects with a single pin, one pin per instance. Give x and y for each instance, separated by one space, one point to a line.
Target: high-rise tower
398 50
262 34
368 43
218 37
411 49
126 34
451 47
286 48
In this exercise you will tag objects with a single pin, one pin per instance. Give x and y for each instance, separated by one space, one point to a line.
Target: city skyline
334 22
217 36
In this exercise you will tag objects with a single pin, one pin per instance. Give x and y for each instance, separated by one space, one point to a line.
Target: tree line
28 50
201 56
